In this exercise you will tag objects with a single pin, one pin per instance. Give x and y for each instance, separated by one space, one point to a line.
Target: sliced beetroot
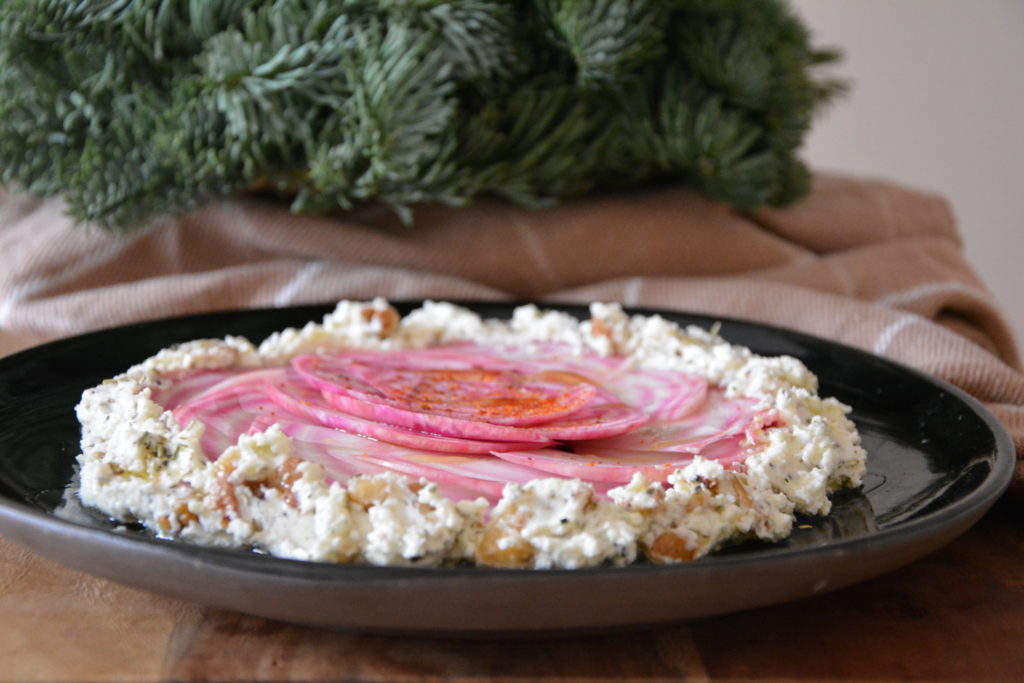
485 475
506 396
619 468
490 390
306 402
593 468
665 395
248 383
457 476
184 386
433 424
329 375
718 417
731 452
662 394
601 419
474 418
228 409
321 445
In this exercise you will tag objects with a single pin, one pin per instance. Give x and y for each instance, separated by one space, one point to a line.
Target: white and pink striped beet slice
473 419
228 408
493 390
459 476
306 402
717 418
619 468
184 386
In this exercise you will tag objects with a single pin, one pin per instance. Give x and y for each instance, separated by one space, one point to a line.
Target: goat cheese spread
441 438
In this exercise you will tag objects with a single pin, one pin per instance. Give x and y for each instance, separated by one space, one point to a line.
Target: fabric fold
865 262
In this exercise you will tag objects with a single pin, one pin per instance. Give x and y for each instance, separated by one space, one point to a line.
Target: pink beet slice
604 417
481 474
619 468
433 424
435 412
317 444
492 390
484 474
248 383
507 396
299 398
184 386
228 409
717 418
665 395
662 394
458 476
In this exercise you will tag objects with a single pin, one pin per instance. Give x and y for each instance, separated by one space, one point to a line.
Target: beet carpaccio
442 438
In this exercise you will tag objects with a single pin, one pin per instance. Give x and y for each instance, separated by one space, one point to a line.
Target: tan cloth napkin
867 263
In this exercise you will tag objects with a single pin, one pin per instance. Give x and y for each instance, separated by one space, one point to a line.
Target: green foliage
134 108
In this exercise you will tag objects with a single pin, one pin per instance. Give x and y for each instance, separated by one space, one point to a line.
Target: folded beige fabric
867 263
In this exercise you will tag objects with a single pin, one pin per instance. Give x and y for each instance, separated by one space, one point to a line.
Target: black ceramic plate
937 461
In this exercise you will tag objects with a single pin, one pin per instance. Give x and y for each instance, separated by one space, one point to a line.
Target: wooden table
955 615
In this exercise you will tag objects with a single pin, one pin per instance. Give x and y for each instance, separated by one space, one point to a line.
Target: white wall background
937 102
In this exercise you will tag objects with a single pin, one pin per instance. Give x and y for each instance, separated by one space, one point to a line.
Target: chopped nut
222 492
742 496
600 328
668 547
370 491
386 318
502 545
184 515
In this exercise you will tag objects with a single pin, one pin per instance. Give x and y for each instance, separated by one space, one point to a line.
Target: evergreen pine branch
480 40
136 108
387 140
608 39
539 145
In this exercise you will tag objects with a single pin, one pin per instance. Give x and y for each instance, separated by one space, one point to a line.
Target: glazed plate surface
937 460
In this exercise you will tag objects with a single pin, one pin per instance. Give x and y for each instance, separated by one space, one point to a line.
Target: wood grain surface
958 614
955 615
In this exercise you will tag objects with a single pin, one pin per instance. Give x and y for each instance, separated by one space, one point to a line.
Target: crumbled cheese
350 325
818 453
705 507
437 322
411 523
559 523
